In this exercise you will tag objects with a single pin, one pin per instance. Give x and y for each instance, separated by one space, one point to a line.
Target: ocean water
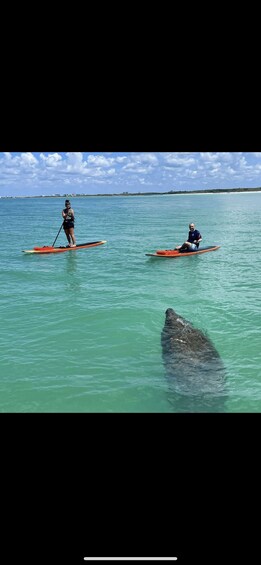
81 331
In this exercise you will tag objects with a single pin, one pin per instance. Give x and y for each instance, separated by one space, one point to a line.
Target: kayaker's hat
67 202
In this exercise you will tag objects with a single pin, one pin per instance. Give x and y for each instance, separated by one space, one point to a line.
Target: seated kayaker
194 238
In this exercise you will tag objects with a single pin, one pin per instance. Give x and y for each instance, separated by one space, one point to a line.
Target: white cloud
28 159
178 159
51 160
150 158
38 173
100 161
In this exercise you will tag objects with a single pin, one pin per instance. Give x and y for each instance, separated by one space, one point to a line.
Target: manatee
193 366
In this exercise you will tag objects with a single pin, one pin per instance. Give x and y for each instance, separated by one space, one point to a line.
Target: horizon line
140 193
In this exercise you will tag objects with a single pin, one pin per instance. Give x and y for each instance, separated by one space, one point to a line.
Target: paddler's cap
67 202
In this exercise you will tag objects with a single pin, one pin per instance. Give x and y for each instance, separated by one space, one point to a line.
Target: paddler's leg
183 247
68 235
71 232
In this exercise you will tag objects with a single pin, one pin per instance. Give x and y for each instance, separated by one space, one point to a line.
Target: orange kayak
61 249
175 253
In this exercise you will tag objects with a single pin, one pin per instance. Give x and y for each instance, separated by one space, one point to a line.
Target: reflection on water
71 262
73 278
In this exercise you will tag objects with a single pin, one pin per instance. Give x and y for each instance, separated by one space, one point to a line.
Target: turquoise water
81 331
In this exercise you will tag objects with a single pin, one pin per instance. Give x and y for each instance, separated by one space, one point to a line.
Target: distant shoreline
170 192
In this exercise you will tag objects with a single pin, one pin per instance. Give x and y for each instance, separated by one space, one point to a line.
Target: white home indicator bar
130 558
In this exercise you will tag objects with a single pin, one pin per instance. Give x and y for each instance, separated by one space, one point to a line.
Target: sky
36 174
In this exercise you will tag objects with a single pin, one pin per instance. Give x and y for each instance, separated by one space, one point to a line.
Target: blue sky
33 174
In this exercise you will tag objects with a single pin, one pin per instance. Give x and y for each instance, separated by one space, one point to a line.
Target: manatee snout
170 315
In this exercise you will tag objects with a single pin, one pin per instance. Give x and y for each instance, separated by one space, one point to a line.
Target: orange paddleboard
50 249
171 253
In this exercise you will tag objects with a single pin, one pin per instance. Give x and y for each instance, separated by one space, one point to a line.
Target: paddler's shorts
67 225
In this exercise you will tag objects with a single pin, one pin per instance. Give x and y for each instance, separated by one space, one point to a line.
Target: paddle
57 235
